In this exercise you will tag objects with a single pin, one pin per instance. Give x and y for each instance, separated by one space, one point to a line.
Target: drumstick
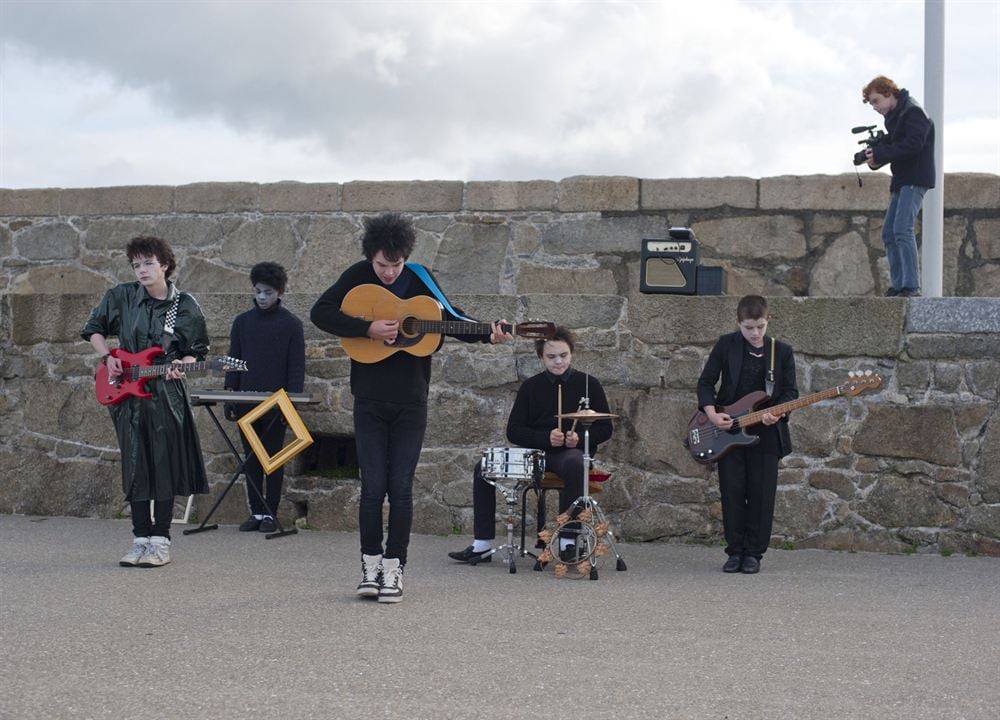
559 404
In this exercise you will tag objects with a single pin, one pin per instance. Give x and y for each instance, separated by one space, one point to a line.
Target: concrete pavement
242 627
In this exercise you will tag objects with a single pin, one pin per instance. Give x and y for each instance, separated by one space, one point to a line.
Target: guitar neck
757 416
150 371
458 327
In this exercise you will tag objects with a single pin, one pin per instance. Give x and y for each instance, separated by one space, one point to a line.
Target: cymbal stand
587 502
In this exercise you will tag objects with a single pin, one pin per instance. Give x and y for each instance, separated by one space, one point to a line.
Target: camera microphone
862 128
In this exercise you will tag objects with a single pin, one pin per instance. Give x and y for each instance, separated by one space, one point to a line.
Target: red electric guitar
138 369
709 444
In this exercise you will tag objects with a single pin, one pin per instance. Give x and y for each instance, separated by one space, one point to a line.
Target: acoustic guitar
138 369
420 324
709 444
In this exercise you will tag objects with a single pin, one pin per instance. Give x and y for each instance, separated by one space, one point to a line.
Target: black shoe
733 564
468 555
251 524
891 292
909 292
267 525
750 565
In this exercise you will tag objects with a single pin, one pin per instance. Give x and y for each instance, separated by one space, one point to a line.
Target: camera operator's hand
870 154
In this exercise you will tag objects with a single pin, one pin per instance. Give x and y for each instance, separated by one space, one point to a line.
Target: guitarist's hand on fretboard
497 335
173 374
769 419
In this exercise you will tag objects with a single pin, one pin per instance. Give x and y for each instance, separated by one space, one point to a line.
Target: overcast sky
121 93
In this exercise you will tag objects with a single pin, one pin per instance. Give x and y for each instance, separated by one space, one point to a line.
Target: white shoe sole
390 598
367 592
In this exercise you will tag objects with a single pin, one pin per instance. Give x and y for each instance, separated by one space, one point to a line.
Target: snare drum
513 465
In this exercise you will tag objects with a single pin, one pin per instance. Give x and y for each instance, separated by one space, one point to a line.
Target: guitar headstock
859 381
535 329
227 363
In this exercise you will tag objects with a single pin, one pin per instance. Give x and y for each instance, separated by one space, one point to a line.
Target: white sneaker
392 581
371 575
157 552
135 553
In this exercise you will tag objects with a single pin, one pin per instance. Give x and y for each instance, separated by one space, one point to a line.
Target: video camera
873 139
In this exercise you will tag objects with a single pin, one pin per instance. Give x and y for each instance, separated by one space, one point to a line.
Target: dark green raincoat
161 454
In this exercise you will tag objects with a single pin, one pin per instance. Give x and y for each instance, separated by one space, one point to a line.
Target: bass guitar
420 324
709 444
138 369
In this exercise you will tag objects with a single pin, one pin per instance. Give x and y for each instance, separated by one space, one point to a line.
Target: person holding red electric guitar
160 452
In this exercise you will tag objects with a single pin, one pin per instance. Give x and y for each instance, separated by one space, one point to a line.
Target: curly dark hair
149 246
561 334
391 233
751 307
271 274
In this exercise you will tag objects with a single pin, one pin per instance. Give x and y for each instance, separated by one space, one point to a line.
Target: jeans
898 237
389 437
271 431
143 522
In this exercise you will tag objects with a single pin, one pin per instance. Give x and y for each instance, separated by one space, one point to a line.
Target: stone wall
912 465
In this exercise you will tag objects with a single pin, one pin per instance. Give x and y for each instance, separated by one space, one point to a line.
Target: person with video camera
908 147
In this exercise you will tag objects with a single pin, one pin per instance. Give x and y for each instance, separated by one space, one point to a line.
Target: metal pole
932 255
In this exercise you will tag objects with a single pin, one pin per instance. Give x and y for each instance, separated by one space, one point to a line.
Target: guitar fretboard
135 372
757 416
453 327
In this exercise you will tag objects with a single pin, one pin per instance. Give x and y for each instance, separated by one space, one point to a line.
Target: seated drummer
533 424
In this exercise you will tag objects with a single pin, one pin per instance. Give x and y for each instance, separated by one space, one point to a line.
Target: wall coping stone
293 196
403 196
697 193
29 202
498 195
117 200
598 193
216 197
954 315
825 192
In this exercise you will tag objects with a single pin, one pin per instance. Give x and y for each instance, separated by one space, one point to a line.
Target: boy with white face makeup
270 339
748 476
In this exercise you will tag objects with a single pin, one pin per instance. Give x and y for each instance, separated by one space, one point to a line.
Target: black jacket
726 360
533 417
909 145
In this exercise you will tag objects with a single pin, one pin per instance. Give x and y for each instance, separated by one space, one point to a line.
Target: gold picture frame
302 440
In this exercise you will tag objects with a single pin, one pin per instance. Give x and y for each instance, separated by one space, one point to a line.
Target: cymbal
587 415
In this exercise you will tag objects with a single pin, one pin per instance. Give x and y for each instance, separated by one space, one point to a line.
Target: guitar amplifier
670 265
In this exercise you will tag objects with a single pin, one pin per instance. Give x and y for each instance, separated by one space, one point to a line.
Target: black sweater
533 416
272 343
400 378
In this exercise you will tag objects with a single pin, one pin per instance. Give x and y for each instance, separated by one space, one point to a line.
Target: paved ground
243 627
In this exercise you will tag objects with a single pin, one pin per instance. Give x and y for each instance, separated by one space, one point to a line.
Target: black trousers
272 436
567 463
389 437
748 479
144 524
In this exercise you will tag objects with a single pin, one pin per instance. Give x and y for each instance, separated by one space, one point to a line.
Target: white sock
259 517
482 545
159 540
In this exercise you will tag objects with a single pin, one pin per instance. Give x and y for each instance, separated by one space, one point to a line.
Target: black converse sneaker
392 581
371 575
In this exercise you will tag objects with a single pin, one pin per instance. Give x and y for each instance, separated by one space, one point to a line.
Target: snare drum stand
599 521
510 496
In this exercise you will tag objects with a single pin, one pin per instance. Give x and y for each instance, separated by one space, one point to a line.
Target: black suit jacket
726 360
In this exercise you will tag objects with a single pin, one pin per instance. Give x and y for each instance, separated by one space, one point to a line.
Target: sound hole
408 326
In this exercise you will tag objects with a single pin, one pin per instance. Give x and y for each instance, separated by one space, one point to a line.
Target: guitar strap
421 272
769 377
170 321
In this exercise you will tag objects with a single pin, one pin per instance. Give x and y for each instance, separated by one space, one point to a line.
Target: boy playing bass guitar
748 360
